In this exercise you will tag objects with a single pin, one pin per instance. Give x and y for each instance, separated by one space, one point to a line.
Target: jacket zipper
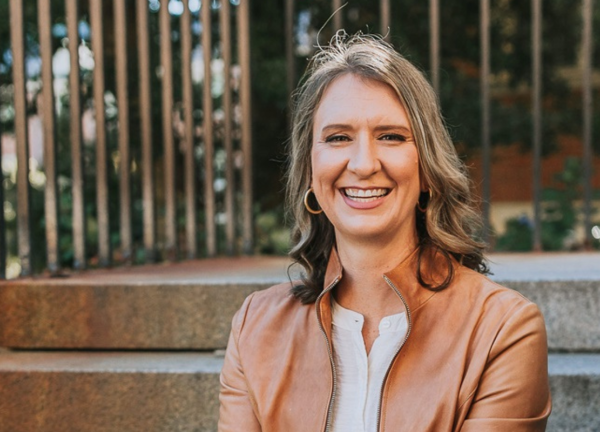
329 351
408 316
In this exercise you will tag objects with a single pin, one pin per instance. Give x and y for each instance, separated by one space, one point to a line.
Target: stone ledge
575 387
107 392
189 305
186 305
187 316
548 266
170 392
571 310
111 362
181 316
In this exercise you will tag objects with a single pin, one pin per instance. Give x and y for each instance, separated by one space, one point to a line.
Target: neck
363 288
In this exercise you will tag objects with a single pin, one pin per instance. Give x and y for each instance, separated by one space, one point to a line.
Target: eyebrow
380 128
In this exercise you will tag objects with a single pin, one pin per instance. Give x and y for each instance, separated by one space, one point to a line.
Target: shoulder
277 297
273 306
479 288
277 294
505 341
499 307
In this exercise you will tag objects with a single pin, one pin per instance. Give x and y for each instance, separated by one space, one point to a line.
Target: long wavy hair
449 224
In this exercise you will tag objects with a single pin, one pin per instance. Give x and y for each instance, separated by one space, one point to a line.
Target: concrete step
189 305
565 286
186 305
109 392
575 387
170 392
571 310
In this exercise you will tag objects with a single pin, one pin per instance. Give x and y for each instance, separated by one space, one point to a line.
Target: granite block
108 392
571 309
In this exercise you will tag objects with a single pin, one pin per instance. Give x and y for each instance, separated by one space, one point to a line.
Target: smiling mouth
365 195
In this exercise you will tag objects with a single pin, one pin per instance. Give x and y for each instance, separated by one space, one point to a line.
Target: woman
394 327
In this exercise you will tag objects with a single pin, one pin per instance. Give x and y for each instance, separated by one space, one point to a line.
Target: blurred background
149 130
155 131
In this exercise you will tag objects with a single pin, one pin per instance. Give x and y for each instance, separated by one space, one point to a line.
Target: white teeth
365 193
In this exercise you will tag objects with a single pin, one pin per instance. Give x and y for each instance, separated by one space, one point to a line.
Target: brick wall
512 169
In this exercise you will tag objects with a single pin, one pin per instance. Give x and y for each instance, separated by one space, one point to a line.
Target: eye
393 137
336 138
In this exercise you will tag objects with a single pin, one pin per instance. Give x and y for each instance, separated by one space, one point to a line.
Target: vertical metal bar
143 35
245 99
484 6
75 135
3 245
537 121
587 119
434 43
384 15
167 124
190 190
50 192
337 17
207 107
123 105
23 195
225 24
289 47
104 252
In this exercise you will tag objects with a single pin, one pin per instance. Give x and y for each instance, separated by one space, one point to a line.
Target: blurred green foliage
560 214
518 235
272 236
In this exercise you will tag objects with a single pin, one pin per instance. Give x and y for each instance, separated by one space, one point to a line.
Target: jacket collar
333 274
403 277
334 271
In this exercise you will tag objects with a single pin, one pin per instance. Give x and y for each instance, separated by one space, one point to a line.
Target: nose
364 160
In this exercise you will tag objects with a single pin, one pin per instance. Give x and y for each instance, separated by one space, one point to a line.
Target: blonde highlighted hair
451 220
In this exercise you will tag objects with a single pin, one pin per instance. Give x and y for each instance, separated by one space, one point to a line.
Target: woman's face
365 166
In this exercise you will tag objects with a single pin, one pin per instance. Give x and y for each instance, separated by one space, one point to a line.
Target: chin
365 233
374 229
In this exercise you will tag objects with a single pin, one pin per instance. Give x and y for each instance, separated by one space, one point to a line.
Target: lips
365 195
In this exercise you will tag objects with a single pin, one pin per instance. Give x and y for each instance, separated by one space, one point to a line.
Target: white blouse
360 377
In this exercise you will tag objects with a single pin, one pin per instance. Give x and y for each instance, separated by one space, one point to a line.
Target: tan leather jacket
474 360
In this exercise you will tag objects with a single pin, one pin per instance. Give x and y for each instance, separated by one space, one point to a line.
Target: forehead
353 98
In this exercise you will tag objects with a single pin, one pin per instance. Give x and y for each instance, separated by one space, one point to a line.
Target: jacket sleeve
237 411
513 392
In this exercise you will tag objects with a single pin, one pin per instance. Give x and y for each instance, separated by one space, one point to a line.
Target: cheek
412 168
314 165
325 167
403 166
415 176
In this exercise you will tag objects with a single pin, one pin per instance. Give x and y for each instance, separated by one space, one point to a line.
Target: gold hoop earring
310 210
421 209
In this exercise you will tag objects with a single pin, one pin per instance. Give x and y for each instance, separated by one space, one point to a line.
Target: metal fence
484 67
237 197
237 191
